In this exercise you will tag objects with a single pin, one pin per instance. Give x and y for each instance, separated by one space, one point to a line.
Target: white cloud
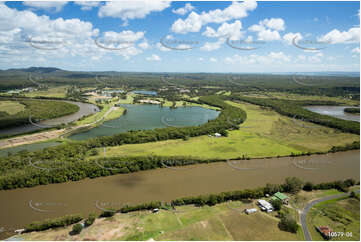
194 21
356 50
274 23
153 58
201 59
212 59
232 30
210 46
253 59
162 48
144 45
75 37
131 9
53 5
181 11
289 37
87 5
267 29
336 36
279 56
125 35
316 58
268 35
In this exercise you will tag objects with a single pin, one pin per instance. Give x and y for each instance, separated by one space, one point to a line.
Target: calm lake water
142 117
28 147
335 111
152 93
137 117
84 110
22 206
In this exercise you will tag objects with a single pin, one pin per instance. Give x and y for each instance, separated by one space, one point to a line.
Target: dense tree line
53 223
353 146
295 109
143 206
34 171
352 110
28 169
291 184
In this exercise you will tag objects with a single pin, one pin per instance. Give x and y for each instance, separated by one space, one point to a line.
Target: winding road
306 232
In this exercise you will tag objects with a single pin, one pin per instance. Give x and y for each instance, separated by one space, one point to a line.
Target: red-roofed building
325 231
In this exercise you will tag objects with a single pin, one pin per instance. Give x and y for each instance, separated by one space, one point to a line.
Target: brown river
22 206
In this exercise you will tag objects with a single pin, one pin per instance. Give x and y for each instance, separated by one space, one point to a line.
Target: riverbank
223 221
166 184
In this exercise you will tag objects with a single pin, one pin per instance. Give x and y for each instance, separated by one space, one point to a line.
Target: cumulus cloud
356 50
153 58
144 45
53 5
253 59
336 37
20 30
232 30
268 29
194 22
315 59
289 37
87 5
212 59
182 11
162 48
210 46
131 9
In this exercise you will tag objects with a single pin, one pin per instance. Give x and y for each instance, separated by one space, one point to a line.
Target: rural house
280 196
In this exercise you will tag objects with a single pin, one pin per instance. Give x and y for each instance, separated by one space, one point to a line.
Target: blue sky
164 36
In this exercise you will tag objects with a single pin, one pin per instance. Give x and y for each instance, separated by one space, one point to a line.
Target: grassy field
341 215
115 113
219 222
11 107
51 92
265 133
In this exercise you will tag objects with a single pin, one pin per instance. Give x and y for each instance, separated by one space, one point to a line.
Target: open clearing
265 133
190 223
11 107
59 92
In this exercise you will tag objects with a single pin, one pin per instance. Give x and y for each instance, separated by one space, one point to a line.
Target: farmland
265 133
219 222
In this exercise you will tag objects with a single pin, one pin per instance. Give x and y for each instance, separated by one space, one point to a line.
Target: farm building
324 231
250 210
280 196
265 206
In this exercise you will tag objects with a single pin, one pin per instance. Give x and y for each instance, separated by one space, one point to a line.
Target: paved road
306 232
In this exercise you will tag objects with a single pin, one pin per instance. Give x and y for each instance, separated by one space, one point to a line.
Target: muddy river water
22 206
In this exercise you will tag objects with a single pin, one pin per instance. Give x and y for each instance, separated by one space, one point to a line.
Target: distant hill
38 69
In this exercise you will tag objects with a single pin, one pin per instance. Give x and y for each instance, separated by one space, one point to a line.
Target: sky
181 36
